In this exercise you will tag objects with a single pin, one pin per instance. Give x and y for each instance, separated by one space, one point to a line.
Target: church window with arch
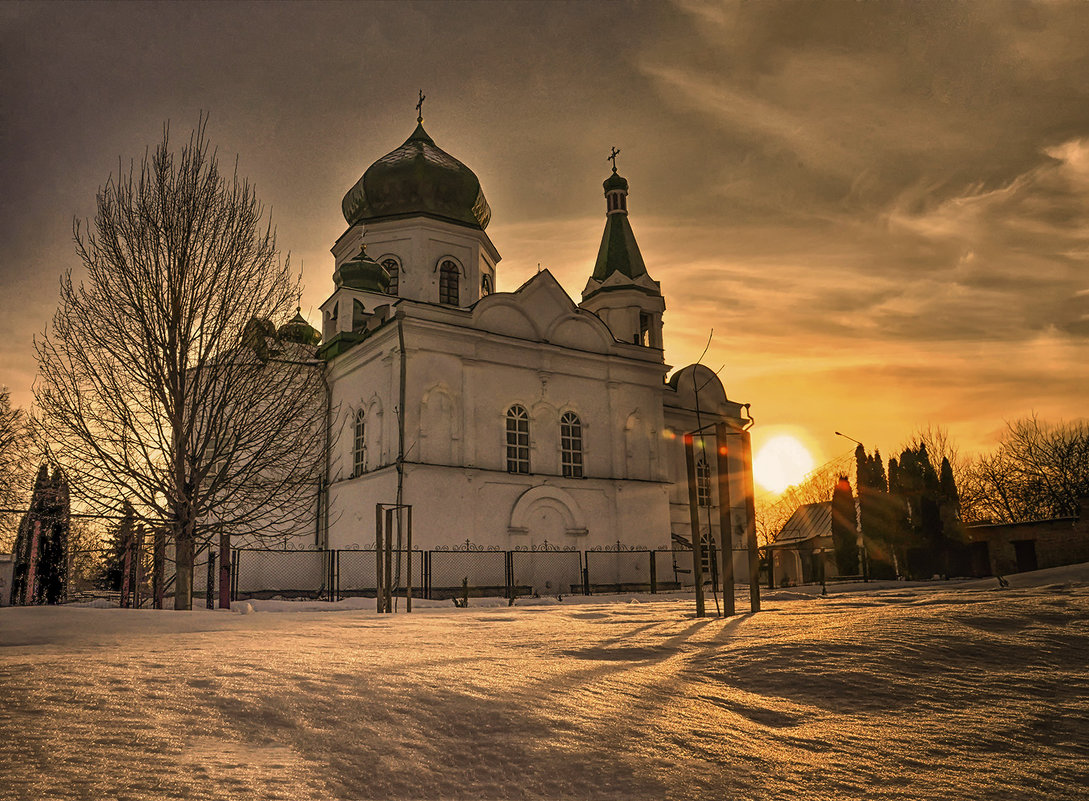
485 285
517 440
394 270
449 275
571 445
703 483
359 444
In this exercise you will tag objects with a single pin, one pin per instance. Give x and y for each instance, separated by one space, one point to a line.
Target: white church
516 419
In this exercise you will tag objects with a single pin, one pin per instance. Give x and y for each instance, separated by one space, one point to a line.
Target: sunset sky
881 208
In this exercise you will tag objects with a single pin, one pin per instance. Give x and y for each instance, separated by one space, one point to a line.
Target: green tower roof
418 178
363 272
619 252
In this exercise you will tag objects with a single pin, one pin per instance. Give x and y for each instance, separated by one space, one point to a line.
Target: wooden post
158 566
388 604
126 566
378 547
725 522
139 567
32 564
224 571
694 515
750 522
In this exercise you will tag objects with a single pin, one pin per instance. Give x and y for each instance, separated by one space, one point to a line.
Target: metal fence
474 572
286 574
355 572
547 573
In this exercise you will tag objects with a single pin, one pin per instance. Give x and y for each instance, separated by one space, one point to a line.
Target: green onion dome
418 178
298 330
614 181
362 272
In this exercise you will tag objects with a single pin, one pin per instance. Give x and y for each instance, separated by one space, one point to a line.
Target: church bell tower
620 291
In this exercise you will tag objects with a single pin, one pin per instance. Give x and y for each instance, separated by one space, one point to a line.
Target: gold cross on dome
420 107
612 157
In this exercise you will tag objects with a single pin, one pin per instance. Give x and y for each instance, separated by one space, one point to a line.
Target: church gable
540 310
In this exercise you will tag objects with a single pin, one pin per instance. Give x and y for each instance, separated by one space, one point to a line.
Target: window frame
393 267
359 443
449 283
517 439
572 464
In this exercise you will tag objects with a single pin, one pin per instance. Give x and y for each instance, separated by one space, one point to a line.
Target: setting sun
781 462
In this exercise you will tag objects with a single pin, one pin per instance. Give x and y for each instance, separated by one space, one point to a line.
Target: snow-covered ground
953 690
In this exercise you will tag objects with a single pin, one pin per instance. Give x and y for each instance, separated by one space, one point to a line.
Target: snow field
943 691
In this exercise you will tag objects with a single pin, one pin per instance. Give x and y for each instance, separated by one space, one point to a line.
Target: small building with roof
803 551
516 419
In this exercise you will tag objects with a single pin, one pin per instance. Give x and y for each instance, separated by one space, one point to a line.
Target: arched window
517 440
571 445
394 270
448 283
485 285
359 316
703 483
359 445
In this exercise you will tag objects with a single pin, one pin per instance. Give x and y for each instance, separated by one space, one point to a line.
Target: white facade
432 398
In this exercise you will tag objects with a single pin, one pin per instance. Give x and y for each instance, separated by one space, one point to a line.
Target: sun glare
781 462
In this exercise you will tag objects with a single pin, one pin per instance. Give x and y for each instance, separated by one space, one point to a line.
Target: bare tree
1038 471
162 379
16 466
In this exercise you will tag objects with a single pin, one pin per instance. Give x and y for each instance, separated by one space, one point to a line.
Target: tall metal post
694 514
408 595
379 595
725 522
750 522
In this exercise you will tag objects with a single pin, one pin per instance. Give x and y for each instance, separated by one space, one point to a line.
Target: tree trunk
183 573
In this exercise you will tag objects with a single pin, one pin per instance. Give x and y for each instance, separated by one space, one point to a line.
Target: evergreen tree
50 510
844 534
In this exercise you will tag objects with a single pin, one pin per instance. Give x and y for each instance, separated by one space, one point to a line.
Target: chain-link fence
621 571
355 572
474 573
287 574
547 573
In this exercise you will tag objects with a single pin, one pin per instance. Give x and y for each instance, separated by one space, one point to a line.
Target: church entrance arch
546 513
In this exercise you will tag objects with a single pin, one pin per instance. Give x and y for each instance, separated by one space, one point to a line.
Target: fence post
509 564
235 559
378 566
210 586
158 566
138 575
408 558
585 572
653 572
224 570
126 569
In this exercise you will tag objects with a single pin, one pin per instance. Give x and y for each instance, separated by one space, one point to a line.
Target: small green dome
297 329
363 272
418 178
614 181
